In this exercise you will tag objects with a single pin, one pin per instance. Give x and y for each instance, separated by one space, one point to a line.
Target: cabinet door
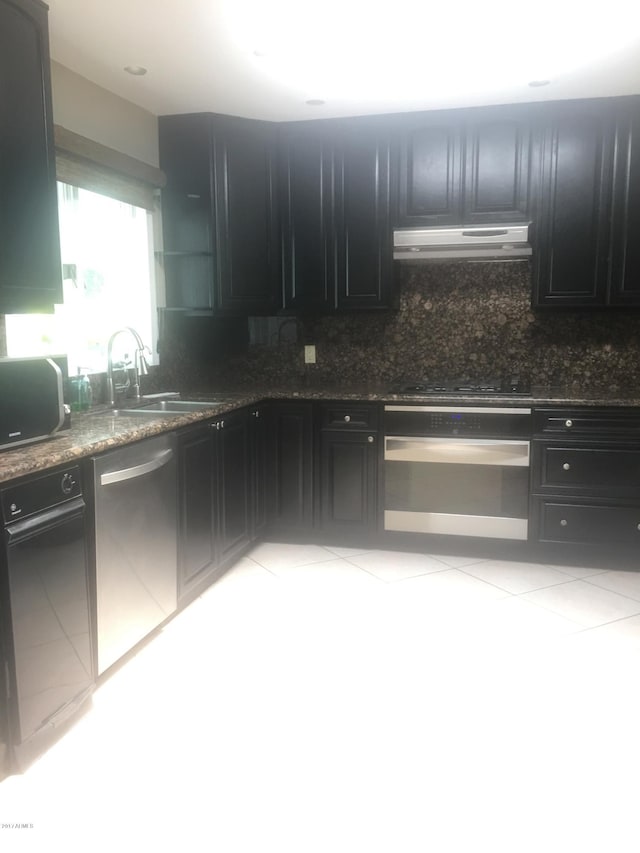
571 241
233 483
259 481
290 467
307 184
348 494
430 174
624 281
196 510
496 182
363 219
30 271
246 221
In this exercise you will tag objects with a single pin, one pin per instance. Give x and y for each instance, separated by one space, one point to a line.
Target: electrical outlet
310 354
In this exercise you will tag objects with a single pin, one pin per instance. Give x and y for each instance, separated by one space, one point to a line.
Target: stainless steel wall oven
457 470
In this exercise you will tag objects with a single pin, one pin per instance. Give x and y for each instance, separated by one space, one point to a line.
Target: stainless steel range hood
500 242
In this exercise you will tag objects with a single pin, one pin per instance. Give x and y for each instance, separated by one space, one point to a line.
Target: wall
454 320
92 111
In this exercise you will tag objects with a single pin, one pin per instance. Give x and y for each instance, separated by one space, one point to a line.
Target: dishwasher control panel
40 494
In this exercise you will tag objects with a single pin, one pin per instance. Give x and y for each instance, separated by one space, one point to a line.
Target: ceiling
268 58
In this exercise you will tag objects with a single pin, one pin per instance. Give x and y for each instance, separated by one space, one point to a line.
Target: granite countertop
100 430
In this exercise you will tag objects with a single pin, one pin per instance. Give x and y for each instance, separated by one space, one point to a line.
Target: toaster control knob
67 483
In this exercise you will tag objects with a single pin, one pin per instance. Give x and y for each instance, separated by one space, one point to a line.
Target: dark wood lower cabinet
290 468
214 489
348 477
587 523
196 510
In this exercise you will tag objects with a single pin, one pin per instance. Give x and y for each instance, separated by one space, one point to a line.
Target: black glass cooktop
427 387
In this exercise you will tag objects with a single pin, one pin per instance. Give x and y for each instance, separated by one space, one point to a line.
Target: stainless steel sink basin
164 408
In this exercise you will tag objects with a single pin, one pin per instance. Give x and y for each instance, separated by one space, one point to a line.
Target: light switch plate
310 354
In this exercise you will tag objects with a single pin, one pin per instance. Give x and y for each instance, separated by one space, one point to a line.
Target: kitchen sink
165 407
179 406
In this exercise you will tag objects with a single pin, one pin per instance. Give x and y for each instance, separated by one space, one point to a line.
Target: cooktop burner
426 387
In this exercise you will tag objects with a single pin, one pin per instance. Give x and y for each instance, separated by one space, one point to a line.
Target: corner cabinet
465 168
220 220
337 192
30 271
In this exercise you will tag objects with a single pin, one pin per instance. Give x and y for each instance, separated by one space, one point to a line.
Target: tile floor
334 699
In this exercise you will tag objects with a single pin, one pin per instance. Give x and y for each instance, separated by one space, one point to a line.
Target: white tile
275 555
395 565
578 571
346 552
456 562
516 577
623 634
335 571
453 586
515 618
625 583
584 603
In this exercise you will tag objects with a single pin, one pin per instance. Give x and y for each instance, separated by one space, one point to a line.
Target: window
108 283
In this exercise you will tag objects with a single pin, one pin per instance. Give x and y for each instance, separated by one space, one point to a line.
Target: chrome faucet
140 365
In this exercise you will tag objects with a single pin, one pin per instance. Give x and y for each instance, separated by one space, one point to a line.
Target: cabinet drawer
597 422
346 416
613 471
589 523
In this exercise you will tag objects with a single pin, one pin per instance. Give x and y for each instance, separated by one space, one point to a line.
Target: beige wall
92 111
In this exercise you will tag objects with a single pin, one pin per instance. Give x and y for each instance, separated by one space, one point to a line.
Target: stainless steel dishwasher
136 547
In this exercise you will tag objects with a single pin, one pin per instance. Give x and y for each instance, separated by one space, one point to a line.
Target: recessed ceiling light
136 70
535 83
315 102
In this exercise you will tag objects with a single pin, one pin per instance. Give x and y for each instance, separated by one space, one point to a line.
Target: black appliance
513 385
457 470
31 391
46 637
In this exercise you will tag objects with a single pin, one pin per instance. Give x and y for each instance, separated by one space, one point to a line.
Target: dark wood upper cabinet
364 191
497 171
30 271
307 184
464 168
571 245
220 220
337 194
624 272
431 174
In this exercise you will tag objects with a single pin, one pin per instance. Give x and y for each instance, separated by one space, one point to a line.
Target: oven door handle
458 451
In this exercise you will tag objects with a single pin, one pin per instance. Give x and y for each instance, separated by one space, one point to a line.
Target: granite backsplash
471 320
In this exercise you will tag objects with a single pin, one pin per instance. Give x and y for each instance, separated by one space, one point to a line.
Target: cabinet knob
370 439
347 418
566 466
568 423
221 424
638 526
563 522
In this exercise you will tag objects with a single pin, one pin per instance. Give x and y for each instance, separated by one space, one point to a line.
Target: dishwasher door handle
137 470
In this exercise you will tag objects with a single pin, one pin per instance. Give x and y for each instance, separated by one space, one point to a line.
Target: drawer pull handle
370 440
568 423
347 418
566 466
563 522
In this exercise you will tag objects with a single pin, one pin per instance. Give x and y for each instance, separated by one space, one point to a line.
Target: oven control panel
478 421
